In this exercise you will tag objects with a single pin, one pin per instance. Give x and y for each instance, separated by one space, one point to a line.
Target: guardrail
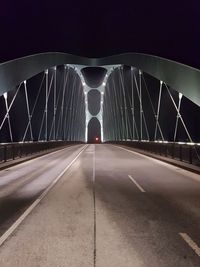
189 153
11 151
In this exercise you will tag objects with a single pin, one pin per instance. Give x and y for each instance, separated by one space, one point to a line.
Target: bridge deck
123 207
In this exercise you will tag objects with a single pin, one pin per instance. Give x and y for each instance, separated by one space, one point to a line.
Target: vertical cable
158 112
178 113
33 109
46 106
177 116
8 110
28 111
132 106
152 106
124 99
8 116
142 116
54 106
141 110
117 109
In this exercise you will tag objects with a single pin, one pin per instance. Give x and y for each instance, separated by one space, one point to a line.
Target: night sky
101 28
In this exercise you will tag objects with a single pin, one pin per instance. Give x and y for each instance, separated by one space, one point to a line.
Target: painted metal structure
183 78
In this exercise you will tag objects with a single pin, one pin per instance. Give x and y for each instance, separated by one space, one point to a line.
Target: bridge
99 161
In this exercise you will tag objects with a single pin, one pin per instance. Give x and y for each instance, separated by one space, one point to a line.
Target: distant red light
97 139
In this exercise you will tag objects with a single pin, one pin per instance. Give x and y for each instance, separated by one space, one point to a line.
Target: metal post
5 153
190 154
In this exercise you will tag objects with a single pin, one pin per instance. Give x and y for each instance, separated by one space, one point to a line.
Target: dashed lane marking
191 243
136 183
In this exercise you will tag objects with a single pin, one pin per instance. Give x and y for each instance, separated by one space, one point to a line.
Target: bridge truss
44 97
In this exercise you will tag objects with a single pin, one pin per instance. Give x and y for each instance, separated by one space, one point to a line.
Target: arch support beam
178 76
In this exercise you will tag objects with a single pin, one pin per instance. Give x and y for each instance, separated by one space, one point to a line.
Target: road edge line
34 157
163 160
14 226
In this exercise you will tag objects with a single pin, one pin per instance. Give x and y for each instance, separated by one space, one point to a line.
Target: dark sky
100 28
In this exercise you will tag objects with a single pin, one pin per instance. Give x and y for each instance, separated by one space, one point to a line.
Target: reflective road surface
99 205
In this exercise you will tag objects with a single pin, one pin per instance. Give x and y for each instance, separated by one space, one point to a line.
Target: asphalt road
113 207
22 184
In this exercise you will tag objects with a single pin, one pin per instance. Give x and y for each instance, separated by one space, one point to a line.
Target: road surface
111 207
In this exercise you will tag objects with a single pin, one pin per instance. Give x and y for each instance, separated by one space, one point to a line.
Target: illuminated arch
183 78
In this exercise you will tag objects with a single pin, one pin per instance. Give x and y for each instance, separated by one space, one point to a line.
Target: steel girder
180 77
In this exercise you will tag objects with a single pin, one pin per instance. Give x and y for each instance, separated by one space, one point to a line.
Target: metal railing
11 151
188 153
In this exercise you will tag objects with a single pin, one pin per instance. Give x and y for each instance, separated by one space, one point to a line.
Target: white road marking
184 172
145 156
136 183
37 158
191 243
36 202
94 201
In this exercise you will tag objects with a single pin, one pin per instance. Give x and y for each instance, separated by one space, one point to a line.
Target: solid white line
136 183
36 202
140 154
186 173
37 158
191 243
94 199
